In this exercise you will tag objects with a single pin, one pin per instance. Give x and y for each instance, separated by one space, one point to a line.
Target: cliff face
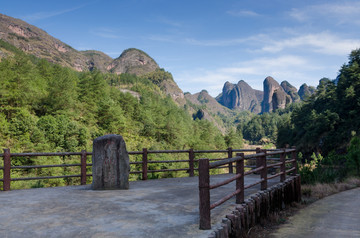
240 97
274 95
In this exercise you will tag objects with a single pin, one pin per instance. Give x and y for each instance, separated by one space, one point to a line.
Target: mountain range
234 97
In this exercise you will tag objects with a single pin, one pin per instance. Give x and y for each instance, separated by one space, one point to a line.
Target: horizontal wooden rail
45 177
166 161
166 170
275 175
223 162
253 184
254 170
224 199
43 166
274 165
225 181
167 151
46 154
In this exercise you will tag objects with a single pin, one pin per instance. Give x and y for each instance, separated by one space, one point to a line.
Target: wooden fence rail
8 167
262 167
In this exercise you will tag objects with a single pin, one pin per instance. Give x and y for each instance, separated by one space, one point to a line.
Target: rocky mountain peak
239 96
133 61
274 95
291 91
306 91
97 59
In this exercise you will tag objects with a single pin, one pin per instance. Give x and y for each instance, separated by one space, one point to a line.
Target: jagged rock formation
274 96
306 91
291 91
133 61
240 97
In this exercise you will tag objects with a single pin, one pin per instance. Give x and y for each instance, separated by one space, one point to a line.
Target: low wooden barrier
8 167
261 159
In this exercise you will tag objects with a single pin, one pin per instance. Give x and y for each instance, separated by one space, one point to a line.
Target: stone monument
110 160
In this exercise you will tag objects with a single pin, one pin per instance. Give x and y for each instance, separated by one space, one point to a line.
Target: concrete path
153 208
332 217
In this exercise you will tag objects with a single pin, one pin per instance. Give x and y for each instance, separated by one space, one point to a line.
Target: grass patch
321 190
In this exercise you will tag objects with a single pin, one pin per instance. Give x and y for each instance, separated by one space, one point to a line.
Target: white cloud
226 42
325 43
163 38
108 33
173 38
167 21
243 13
340 12
45 15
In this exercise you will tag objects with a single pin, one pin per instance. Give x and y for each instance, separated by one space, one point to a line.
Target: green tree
353 156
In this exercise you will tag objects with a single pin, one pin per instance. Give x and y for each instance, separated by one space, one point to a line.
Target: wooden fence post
240 181
7 167
191 162
263 172
83 167
204 194
144 164
230 152
282 166
294 163
258 159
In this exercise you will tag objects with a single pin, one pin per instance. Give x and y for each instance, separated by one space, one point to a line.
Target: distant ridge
37 42
242 97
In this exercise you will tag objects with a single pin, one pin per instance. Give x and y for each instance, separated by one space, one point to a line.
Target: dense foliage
47 108
263 129
325 127
327 119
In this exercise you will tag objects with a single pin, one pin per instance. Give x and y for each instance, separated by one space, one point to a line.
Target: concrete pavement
152 208
331 217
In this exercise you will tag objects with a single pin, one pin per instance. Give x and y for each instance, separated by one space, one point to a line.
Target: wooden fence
8 167
263 160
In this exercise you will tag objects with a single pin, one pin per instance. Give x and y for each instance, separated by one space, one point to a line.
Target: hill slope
35 41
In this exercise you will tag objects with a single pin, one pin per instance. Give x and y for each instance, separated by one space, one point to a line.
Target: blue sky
205 43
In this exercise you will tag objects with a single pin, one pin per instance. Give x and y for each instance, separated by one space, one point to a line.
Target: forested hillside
46 107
